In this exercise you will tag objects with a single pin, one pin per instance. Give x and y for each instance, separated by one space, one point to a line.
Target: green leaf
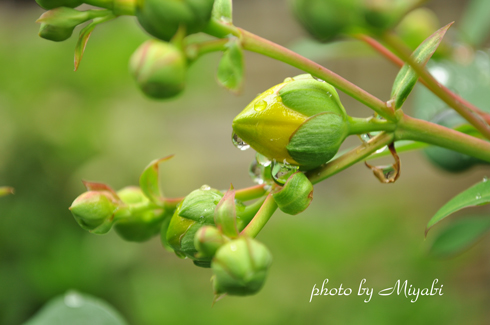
76 309
149 181
222 10
230 69
84 36
478 194
4 190
475 24
225 215
407 77
459 236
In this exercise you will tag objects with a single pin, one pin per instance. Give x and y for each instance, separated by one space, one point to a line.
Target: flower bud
194 212
208 240
240 267
58 24
162 18
296 195
94 211
159 69
51 4
141 226
300 121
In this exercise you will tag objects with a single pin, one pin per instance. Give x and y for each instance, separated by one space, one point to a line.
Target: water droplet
260 105
485 179
478 196
233 248
365 137
329 94
255 172
282 171
288 79
389 172
205 187
278 99
318 79
238 142
263 160
73 300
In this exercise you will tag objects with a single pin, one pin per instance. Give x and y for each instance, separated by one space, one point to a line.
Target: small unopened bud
58 24
240 267
51 4
141 226
300 121
159 68
296 195
162 18
208 240
94 211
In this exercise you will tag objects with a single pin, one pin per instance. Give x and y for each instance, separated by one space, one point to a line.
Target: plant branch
370 124
261 218
194 50
355 155
399 62
392 40
250 193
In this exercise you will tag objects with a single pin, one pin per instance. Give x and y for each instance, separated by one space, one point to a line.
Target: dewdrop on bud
299 122
159 69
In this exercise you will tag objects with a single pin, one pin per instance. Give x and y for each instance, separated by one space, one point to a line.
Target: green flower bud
94 211
58 24
194 212
208 240
326 19
51 4
162 18
300 121
446 159
296 195
240 267
384 14
159 69
141 226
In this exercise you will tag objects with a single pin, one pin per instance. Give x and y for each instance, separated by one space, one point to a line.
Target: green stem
119 7
221 30
261 217
355 155
260 45
393 41
250 193
370 124
410 128
195 50
250 211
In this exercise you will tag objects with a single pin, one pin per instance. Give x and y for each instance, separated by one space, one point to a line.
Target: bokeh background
58 127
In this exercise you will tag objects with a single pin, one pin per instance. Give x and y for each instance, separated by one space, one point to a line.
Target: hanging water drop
365 137
205 187
263 160
238 142
255 172
282 171
260 105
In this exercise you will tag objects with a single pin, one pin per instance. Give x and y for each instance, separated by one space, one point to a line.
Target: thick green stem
250 193
392 40
261 217
355 155
370 124
195 50
260 45
247 215
410 128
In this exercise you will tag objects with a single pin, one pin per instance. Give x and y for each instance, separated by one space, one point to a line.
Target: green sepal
223 10
407 77
317 140
163 232
225 215
309 97
149 181
230 68
295 196
240 267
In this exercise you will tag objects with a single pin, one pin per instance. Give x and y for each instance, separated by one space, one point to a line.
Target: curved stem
392 40
250 193
195 50
263 215
355 155
410 128
247 215
399 62
370 124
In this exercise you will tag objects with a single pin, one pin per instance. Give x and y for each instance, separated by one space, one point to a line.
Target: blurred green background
58 127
